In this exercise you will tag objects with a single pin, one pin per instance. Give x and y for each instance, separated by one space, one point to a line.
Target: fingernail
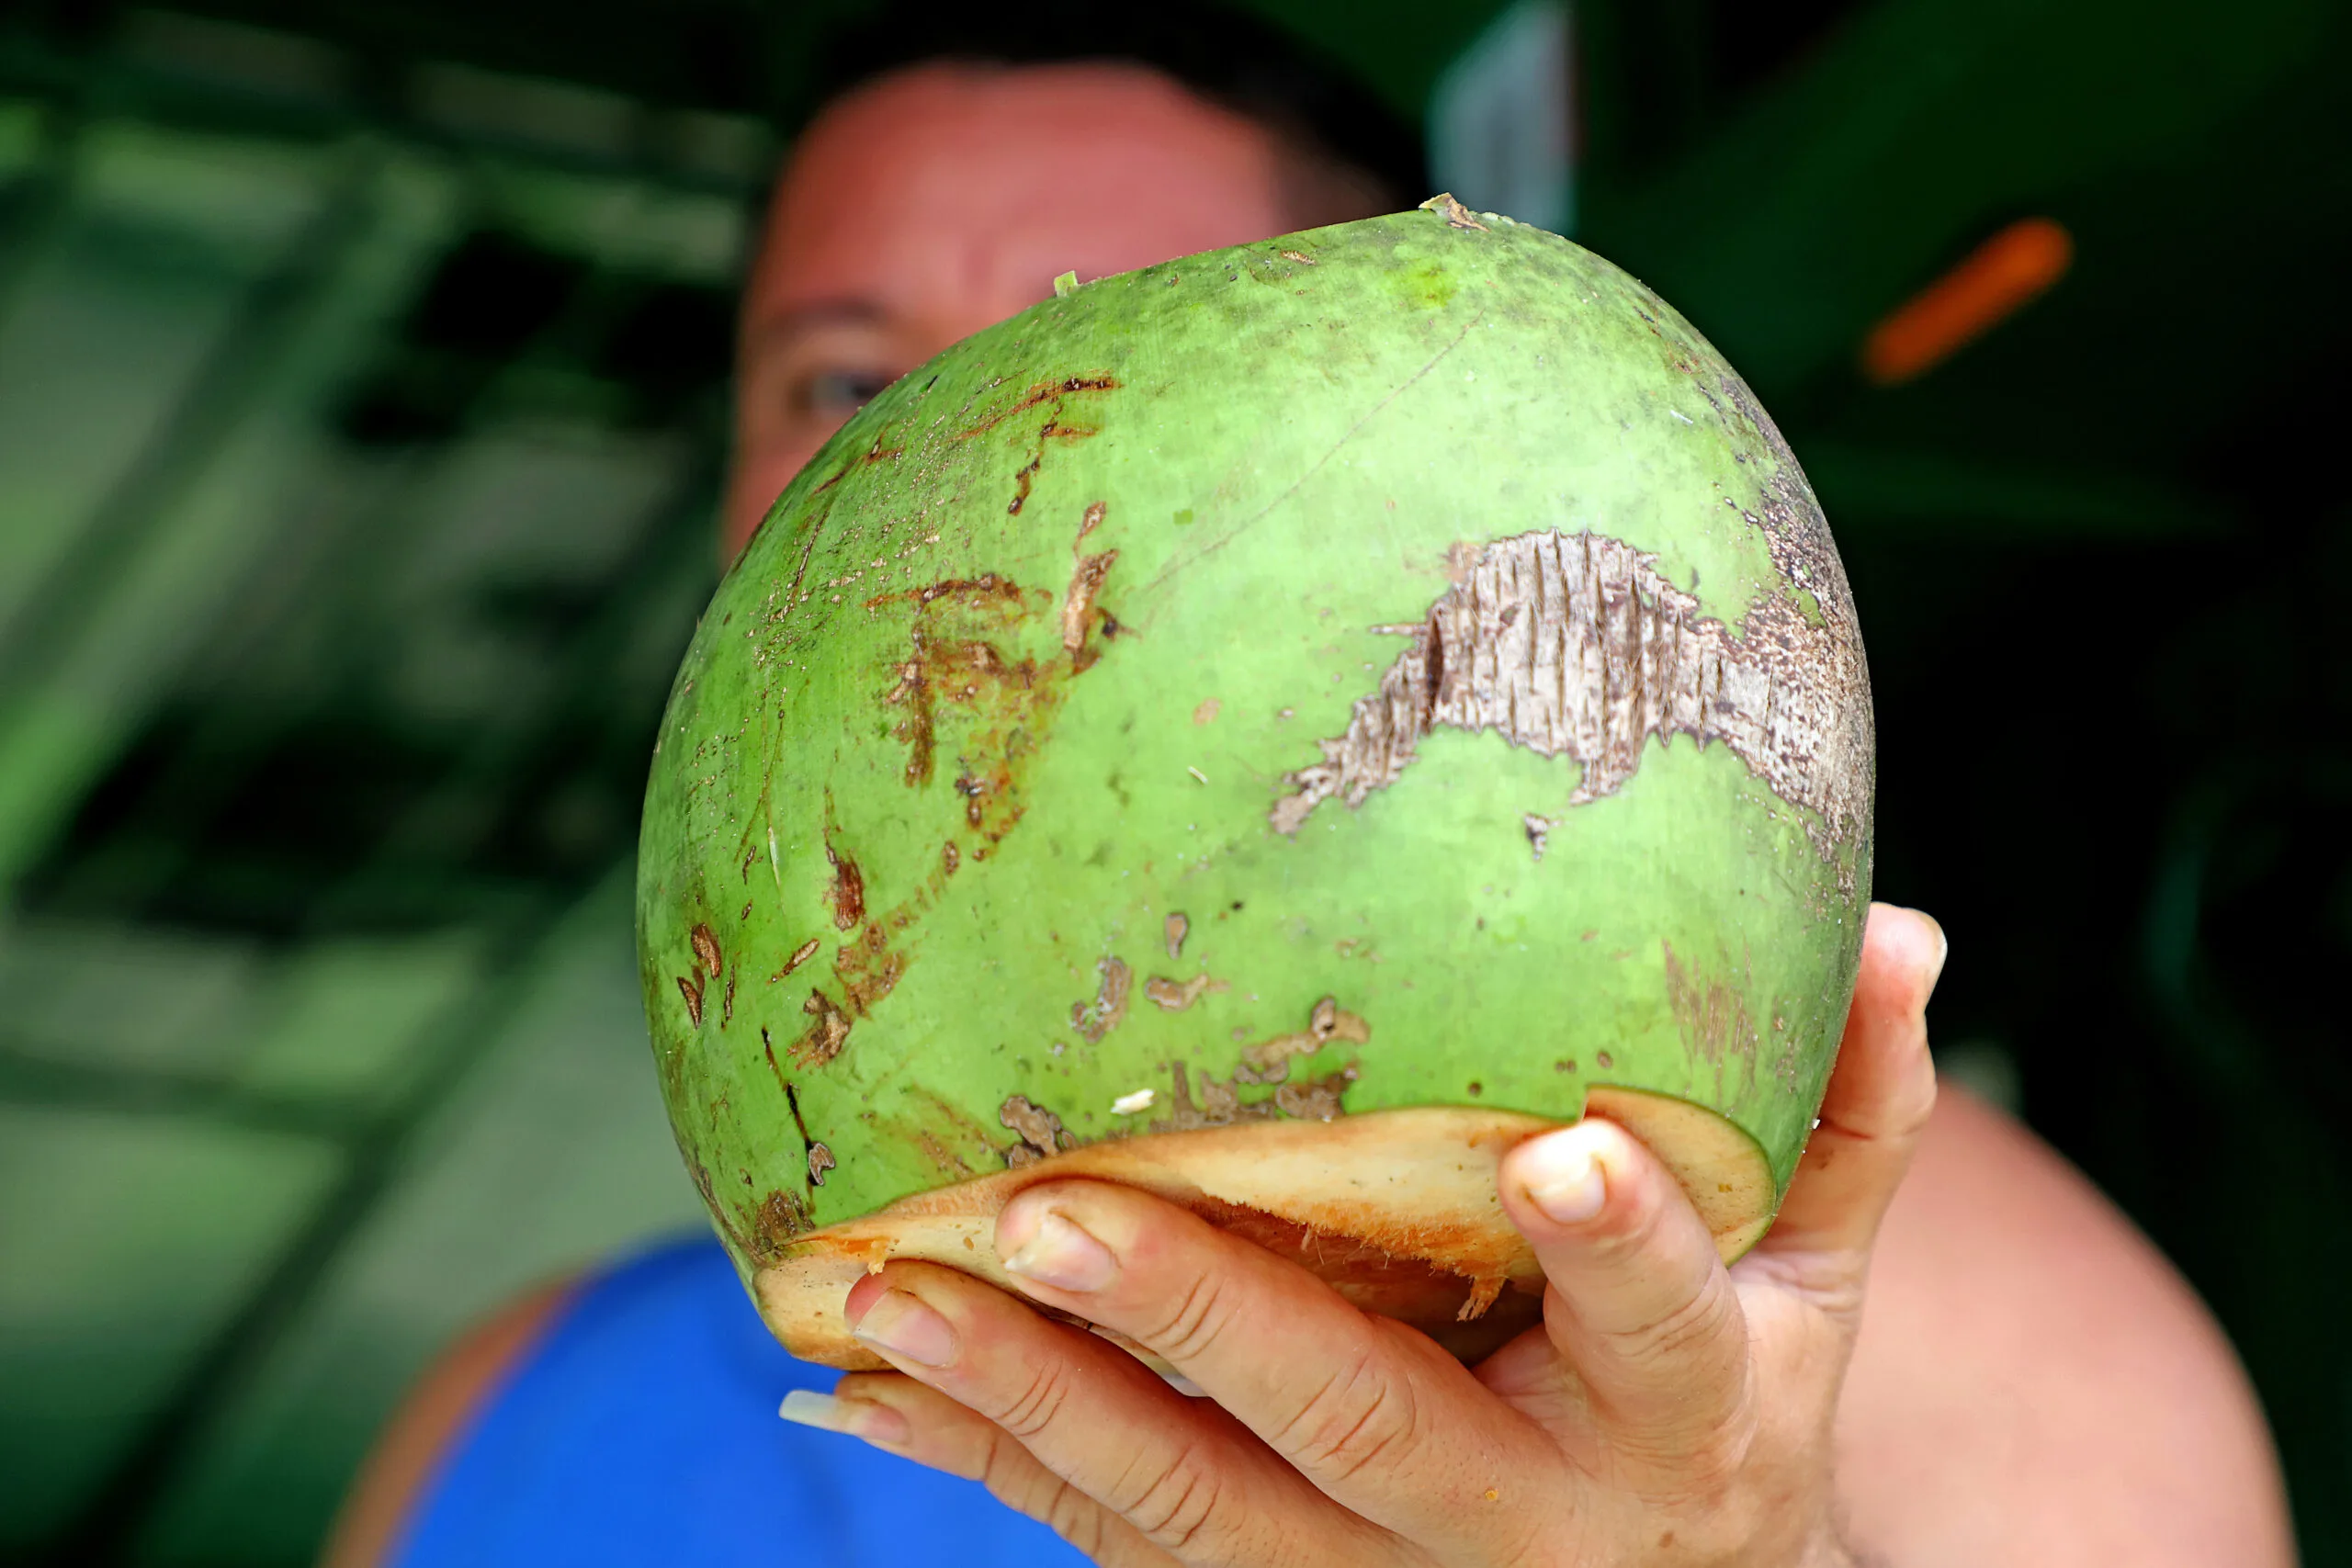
1063 1256
1943 947
1565 1182
854 1418
902 1325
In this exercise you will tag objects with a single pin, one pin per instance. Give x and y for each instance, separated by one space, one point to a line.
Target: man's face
941 200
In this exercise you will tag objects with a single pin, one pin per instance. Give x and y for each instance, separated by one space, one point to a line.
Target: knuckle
1357 1420
1039 1404
1722 1526
1178 1505
1076 1518
1692 1475
1714 1463
1701 1466
1677 1332
1836 1289
1195 1324
1014 1477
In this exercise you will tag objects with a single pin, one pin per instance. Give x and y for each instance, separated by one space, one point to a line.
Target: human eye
801 382
836 391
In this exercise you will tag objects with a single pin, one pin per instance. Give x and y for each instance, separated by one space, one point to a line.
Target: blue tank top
641 1430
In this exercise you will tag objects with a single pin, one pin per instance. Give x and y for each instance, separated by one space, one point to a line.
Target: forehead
941 183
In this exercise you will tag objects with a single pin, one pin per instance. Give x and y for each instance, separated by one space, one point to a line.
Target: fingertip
862 1296
1929 947
1560 1174
1883 1086
893 1412
1912 939
868 1420
935 1286
1579 1179
1017 1222
1099 1206
1943 948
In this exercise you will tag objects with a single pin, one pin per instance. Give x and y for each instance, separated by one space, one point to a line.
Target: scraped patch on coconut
1396 1210
1575 645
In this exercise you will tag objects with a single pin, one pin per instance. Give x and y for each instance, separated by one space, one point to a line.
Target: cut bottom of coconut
1396 1210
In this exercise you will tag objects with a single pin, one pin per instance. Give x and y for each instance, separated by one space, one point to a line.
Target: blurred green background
362 399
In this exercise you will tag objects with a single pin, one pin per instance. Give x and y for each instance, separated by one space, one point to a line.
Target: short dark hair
1332 123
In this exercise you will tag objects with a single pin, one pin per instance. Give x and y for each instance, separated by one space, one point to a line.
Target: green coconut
1274 729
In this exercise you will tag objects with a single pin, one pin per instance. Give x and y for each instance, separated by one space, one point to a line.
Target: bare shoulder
2035 1385
433 1416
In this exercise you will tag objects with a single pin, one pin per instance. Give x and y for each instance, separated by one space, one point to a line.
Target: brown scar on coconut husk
782 1215
1041 1131
1575 645
1170 996
1109 1009
826 1035
1269 1060
847 895
801 954
1317 1100
1220 1103
1457 215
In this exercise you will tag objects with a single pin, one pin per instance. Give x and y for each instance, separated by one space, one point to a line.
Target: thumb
1639 1304
1879 1100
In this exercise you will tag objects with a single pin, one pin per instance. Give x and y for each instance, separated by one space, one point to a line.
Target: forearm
2035 1386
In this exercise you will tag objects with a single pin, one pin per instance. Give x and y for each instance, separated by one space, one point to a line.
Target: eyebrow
773 324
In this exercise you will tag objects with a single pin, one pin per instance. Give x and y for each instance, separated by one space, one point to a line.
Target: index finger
1375 1415
1183 1475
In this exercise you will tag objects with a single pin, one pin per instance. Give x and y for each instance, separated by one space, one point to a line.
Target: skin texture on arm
2035 1385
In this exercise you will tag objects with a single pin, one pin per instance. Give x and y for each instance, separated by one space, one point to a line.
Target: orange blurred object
1993 282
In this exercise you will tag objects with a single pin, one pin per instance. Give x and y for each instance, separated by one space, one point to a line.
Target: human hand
1668 1412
